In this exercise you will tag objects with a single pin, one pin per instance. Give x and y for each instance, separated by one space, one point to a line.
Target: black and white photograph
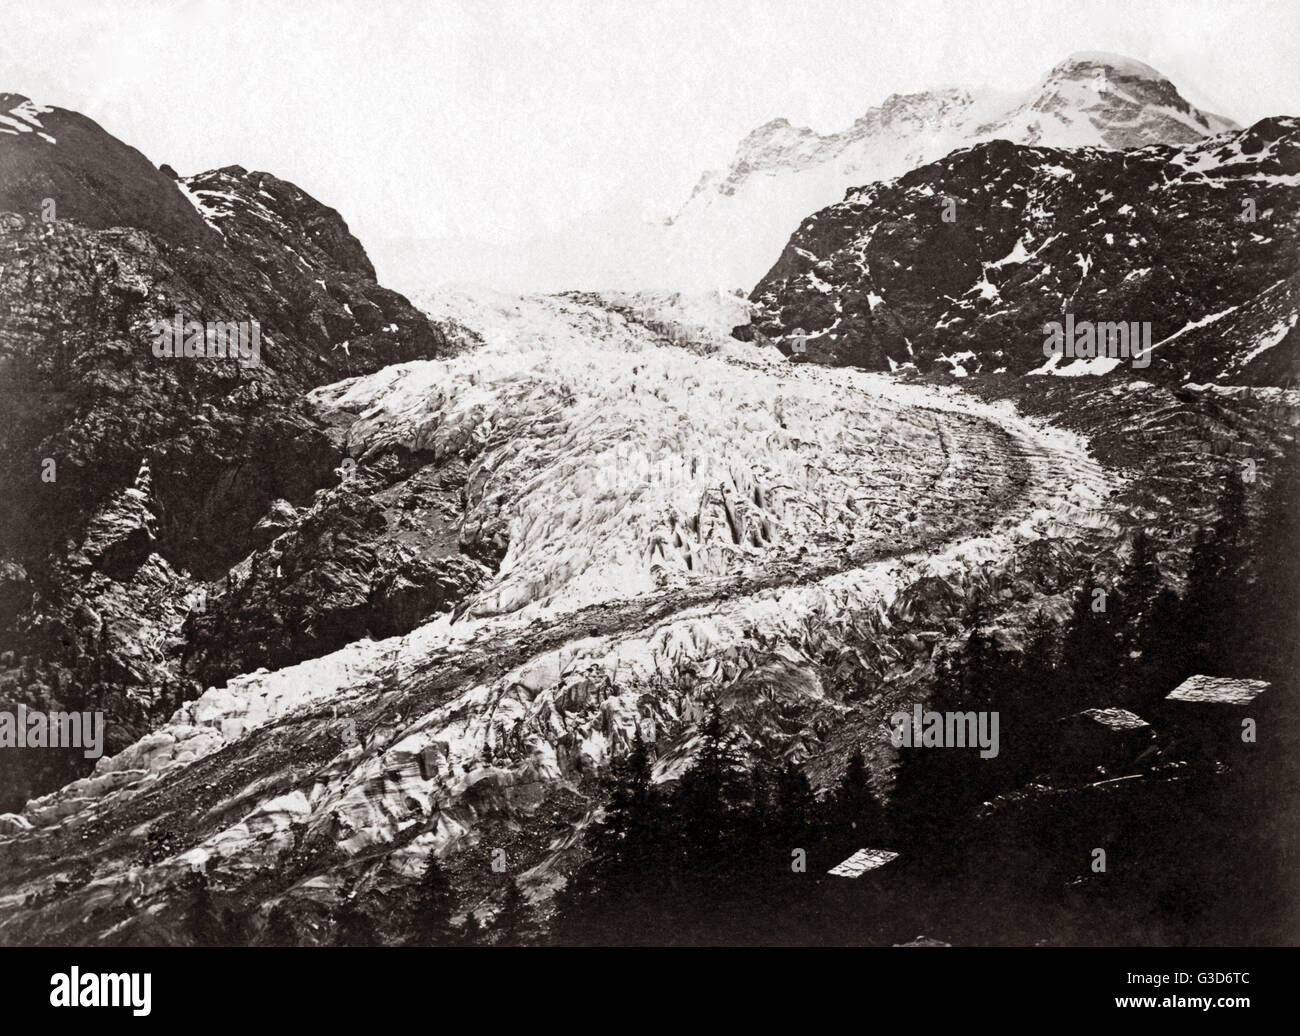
596 474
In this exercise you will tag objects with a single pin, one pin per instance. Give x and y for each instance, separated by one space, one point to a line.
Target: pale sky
496 120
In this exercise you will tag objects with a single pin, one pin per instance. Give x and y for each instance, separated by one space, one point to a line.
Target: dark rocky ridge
373 556
94 179
1155 234
164 467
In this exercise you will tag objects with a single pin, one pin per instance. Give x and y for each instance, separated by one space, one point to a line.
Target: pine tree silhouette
795 808
1134 594
207 927
935 789
1038 668
513 925
471 932
354 927
858 821
1273 608
1212 617
708 796
631 850
434 905
626 840
280 930
1148 632
1090 651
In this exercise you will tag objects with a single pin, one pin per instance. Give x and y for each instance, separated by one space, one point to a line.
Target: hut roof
1116 719
862 861
1219 690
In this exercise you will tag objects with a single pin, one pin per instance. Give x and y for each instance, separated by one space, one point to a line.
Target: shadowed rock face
93 178
373 556
962 262
132 475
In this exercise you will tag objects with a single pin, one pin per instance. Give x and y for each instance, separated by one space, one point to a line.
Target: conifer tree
1273 612
1216 600
795 807
434 905
626 839
931 792
630 851
858 820
1090 650
353 926
708 796
279 930
513 924
205 921
1038 672
1138 585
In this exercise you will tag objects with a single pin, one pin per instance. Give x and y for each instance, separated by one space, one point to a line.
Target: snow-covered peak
736 221
777 141
1096 99
1085 62
779 144
775 131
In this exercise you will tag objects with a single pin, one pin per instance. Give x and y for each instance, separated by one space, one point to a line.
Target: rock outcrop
962 264
135 477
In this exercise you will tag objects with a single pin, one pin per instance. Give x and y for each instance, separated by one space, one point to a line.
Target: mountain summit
1105 100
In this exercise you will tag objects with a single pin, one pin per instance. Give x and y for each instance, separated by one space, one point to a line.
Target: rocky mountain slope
961 263
136 477
736 221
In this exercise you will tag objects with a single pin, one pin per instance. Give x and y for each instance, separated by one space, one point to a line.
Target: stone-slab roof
1219 690
1116 719
862 861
